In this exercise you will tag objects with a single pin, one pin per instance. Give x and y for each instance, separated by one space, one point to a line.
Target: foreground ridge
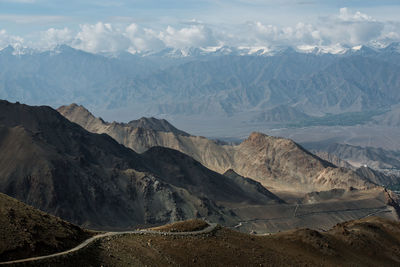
211 227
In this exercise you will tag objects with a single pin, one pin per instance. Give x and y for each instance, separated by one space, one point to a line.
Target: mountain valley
282 166
89 179
199 133
295 141
286 88
275 162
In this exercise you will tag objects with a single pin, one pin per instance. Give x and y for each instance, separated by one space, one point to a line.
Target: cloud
346 28
390 34
31 19
193 36
142 39
6 40
101 37
104 37
52 37
350 28
301 33
346 15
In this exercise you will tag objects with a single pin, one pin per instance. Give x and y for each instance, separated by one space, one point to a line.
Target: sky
148 25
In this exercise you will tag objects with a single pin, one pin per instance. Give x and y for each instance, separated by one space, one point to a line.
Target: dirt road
87 242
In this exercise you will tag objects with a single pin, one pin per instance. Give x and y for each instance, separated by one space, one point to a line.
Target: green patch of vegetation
343 119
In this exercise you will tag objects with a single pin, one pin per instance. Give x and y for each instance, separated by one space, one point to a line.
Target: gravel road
87 242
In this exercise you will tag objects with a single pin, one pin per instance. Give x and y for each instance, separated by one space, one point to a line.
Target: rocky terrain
368 242
335 160
317 210
373 157
275 162
89 179
379 165
27 232
182 226
55 165
300 167
380 178
279 88
281 165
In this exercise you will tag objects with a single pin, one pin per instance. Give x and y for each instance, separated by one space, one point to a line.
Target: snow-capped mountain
222 81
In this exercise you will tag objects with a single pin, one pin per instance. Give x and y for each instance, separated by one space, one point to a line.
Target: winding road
89 241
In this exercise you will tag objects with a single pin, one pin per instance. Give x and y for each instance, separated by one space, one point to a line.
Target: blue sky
262 22
40 14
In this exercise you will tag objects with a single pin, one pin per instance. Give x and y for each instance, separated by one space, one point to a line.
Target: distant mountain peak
221 50
363 50
257 138
7 50
17 50
82 116
75 107
155 124
393 47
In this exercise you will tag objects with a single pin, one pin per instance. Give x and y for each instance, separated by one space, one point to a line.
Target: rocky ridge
276 162
89 179
27 232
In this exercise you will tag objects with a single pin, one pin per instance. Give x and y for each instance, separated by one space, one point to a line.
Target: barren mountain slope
376 158
140 139
90 179
379 177
276 162
283 164
83 117
335 160
27 232
368 242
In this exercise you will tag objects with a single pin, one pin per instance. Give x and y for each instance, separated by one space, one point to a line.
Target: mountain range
279 164
65 170
55 165
286 88
376 158
275 162
90 179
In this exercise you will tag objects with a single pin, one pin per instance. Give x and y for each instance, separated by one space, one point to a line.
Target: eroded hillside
275 162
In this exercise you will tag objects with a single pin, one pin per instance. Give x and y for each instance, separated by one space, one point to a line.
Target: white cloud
52 37
101 37
300 34
350 28
346 15
193 36
142 39
6 40
346 28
